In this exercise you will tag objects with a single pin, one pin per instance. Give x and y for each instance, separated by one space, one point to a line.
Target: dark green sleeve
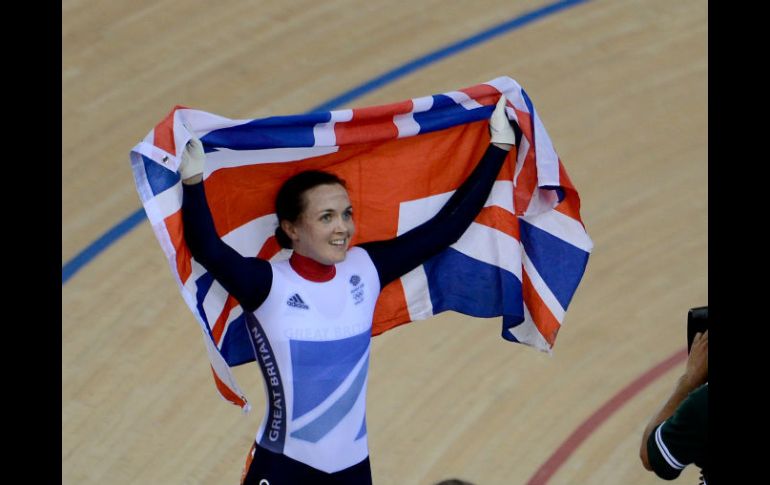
682 439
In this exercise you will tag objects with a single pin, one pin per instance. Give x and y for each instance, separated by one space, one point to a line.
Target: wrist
192 180
687 383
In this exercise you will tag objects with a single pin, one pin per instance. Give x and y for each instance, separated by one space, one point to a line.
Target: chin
338 258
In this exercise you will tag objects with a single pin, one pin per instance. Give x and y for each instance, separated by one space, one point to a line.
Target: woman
310 317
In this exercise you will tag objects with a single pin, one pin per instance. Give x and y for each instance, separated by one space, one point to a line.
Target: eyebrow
326 211
323 211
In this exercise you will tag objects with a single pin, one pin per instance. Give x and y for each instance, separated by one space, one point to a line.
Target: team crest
358 289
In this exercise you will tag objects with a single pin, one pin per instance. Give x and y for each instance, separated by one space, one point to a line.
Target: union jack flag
522 258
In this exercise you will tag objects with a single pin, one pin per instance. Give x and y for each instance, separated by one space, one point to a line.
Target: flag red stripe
544 320
176 234
164 132
226 392
500 219
219 325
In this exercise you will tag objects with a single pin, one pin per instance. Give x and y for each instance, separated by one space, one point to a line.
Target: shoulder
281 269
359 262
357 256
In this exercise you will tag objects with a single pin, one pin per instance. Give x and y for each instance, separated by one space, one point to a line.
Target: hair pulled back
290 201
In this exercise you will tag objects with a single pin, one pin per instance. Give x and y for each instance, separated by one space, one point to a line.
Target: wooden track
622 89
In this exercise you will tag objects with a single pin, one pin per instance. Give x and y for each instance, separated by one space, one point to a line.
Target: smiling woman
316 387
622 88
316 216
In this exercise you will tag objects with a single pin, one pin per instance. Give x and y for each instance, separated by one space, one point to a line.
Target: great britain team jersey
312 342
311 339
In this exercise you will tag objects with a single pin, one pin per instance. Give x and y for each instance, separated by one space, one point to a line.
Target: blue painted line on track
85 256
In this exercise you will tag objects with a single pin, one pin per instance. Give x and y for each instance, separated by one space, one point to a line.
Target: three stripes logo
297 302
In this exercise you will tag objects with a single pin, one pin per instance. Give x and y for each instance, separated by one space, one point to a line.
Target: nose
344 226
340 226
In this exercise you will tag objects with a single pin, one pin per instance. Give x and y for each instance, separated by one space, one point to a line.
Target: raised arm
395 257
247 279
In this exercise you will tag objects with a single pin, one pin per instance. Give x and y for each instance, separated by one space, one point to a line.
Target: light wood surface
622 89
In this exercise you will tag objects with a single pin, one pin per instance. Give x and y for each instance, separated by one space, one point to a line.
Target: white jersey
312 343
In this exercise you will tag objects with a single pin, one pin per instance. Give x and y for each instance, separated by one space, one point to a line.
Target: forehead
328 196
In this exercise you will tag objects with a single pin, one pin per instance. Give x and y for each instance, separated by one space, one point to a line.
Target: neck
310 269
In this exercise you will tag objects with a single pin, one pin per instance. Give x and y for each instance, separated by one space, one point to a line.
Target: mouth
339 242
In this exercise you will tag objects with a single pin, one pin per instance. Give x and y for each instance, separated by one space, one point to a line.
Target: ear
290 229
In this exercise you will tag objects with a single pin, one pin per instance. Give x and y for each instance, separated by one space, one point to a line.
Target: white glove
499 127
192 159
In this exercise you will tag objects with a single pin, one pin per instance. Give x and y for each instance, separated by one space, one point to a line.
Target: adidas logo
296 302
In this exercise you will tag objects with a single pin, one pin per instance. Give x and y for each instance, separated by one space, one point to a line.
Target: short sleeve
682 439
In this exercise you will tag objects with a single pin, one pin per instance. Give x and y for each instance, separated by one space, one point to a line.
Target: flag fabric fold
522 258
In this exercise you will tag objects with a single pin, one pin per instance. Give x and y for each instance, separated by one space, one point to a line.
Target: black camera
697 322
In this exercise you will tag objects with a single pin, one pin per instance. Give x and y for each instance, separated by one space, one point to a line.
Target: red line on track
563 452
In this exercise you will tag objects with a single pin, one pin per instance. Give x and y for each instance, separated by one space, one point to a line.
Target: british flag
522 258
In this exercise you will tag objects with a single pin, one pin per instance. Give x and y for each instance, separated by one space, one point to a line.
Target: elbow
202 254
644 457
661 472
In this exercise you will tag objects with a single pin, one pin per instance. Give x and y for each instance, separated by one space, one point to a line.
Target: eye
326 218
347 215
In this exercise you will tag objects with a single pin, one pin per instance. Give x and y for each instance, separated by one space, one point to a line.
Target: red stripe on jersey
249 459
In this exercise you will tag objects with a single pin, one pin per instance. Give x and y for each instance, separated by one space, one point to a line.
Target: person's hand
192 159
499 126
697 371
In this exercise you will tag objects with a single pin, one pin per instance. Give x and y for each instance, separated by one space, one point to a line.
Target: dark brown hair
290 201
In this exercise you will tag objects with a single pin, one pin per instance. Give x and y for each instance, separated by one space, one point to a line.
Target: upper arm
248 279
660 458
395 257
